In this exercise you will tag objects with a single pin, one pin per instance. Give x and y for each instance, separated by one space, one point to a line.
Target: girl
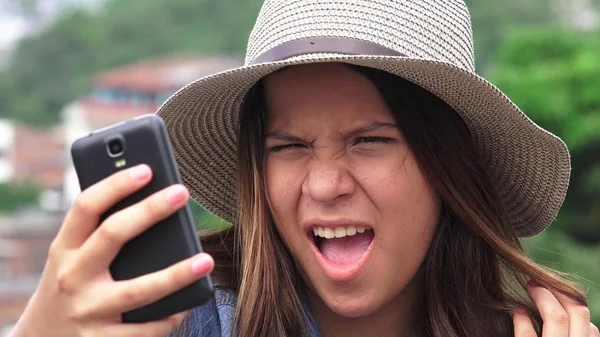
376 186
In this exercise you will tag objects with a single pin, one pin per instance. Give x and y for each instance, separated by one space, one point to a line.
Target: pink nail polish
201 264
139 173
175 194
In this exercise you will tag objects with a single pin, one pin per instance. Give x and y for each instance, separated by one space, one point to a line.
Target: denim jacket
215 318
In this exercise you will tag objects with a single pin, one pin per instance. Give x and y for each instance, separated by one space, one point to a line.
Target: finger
82 218
579 315
594 332
556 319
106 242
523 324
158 328
135 293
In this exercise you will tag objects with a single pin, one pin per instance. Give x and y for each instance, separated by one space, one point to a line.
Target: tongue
346 250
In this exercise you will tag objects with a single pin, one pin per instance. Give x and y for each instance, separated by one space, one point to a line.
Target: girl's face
337 165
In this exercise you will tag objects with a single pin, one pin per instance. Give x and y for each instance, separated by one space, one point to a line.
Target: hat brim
529 166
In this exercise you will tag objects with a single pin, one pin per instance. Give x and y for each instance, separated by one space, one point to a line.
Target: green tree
553 77
17 194
494 20
56 66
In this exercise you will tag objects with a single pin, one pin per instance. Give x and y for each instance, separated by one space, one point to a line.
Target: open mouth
342 251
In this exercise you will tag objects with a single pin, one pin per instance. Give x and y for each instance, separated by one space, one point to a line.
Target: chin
353 308
362 299
353 304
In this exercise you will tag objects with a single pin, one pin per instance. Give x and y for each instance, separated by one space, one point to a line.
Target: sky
14 26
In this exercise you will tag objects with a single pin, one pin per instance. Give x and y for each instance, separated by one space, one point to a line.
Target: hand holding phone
144 140
78 294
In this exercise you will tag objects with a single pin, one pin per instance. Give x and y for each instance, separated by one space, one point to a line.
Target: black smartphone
144 140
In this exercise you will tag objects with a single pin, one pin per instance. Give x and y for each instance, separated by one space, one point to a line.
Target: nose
328 181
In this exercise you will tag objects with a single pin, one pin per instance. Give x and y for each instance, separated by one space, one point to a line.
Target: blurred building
38 155
130 91
24 241
35 155
43 156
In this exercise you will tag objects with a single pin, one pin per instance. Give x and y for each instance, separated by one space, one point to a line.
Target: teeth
329 234
351 230
338 232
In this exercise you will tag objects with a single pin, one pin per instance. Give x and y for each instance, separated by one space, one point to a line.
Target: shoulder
212 319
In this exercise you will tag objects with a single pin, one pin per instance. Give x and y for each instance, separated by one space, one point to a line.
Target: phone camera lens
115 147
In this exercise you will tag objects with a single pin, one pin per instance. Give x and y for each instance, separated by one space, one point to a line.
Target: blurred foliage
204 219
492 20
56 66
553 76
17 194
495 21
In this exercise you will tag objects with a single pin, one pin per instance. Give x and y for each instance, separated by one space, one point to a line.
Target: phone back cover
165 243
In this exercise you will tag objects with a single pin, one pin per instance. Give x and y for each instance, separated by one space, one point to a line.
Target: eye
372 140
280 148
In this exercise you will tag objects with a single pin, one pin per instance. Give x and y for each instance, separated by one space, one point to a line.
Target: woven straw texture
529 167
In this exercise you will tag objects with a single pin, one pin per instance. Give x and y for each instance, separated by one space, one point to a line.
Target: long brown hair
475 270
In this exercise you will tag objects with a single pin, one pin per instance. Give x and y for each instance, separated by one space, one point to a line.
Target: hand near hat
561 315
77 295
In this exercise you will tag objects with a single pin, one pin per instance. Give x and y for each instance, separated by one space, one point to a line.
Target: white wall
7 135
75 127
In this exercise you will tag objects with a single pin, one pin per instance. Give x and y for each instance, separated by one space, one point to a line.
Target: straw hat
428 42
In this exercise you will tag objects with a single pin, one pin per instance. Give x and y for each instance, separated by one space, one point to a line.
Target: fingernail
175 194
201 264
139 173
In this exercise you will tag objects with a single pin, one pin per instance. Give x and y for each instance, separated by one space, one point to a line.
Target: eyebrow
349 134
370 128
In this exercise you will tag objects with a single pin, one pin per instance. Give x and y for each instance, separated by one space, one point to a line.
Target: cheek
386 179
283 183
407 207
408 210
